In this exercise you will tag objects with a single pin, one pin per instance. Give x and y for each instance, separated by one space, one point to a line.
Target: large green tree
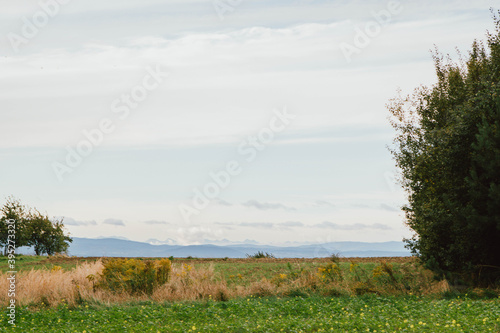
32 228
13 209
447 147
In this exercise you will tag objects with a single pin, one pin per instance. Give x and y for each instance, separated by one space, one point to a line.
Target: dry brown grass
52 287
189 283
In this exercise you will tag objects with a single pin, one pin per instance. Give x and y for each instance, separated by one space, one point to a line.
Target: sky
208 121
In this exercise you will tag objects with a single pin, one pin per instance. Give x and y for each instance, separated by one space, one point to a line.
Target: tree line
33 229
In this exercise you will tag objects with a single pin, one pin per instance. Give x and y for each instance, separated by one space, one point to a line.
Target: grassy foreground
62 294
255 314
52 281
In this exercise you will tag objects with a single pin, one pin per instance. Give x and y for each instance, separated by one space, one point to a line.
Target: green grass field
280 295
253 314
242 271
25 263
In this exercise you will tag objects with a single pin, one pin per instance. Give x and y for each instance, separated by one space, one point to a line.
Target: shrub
357 273
293 273
134 276
279 279
330 272
163 270
335 258
260 255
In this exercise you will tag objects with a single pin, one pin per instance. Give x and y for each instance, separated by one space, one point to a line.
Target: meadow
272 314
63 294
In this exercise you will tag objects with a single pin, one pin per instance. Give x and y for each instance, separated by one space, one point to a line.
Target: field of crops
254 314
63 294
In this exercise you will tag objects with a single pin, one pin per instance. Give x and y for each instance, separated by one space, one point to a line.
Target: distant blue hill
112 247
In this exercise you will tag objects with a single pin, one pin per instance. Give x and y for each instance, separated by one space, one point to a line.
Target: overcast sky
196 120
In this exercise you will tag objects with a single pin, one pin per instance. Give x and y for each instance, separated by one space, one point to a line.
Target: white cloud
389 208
74 89
72 222
197 234
115 222
291 224
356 226
262 225
323 203
237 75
266 205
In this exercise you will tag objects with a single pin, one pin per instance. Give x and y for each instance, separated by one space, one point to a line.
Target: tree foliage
14 210
47 236
33 228
447 147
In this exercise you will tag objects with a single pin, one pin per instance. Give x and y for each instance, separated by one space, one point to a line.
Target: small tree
448 149
14 210
47 236
33 229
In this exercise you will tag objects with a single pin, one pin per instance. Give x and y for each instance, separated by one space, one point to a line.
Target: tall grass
49 288
81 284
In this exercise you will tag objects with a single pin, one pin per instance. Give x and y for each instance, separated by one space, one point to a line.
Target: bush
260 255
335 258
330 272
279 279
134 276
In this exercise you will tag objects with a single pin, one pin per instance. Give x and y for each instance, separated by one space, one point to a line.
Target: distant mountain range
113 247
